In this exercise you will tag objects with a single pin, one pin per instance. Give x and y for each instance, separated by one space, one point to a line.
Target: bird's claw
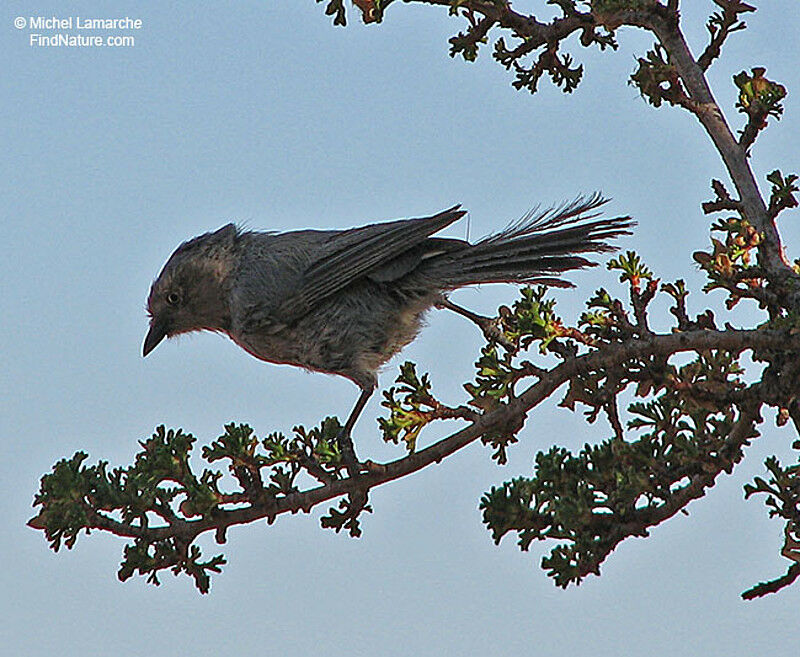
493 332
348 452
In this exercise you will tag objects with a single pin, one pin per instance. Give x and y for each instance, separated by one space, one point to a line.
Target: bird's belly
353 336
282 350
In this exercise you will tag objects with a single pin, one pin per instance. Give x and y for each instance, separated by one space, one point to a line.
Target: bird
344 302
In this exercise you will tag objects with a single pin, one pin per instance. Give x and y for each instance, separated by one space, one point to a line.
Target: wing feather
352 254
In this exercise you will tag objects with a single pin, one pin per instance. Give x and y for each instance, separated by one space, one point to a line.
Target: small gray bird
345 301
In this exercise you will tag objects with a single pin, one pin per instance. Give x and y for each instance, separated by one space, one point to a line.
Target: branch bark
733 155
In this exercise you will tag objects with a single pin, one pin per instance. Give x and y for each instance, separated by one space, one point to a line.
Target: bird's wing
353 254
410 260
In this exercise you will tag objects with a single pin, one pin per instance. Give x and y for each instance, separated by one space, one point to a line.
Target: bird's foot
491 327
348 452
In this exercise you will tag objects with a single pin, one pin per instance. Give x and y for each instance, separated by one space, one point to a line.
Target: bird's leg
344 439
489 327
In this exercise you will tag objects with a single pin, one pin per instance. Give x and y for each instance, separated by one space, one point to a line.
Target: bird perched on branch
345 301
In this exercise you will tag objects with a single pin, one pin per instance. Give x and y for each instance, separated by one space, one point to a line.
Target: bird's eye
173 298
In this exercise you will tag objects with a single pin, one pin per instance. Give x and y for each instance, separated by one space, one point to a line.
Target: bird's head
191 292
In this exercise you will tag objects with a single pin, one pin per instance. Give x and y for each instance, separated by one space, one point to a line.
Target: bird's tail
533 249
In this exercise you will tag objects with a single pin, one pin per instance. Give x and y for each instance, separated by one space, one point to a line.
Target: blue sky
265 114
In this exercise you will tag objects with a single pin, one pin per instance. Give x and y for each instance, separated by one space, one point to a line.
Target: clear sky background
264 113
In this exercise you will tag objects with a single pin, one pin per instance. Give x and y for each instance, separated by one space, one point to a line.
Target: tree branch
733 154
607 357
720 26
663 21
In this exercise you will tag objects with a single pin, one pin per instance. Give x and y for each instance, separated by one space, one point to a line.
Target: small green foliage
657 79
597 27
782 491
632 269
408 415
693 397
504 55
593 500
758 97
281 480
532 319
512 507
148 558
719 20
588 389
75 497
603 301
501 440
348 517
721 24
336 9
237 444
159 499
494 385
677 291
495 380
559 67
728 261
62 495
467 43
279 449
603 36
782 194
466 46
606 318
322 441
782 498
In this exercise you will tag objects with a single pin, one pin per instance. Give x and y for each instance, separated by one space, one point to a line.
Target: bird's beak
157 332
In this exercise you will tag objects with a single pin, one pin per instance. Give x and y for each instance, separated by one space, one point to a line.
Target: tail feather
577 239
538 220
532 249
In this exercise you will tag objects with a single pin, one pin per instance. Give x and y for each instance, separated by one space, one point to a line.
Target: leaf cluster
591 501
411 411
657 78
782 498
162 504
